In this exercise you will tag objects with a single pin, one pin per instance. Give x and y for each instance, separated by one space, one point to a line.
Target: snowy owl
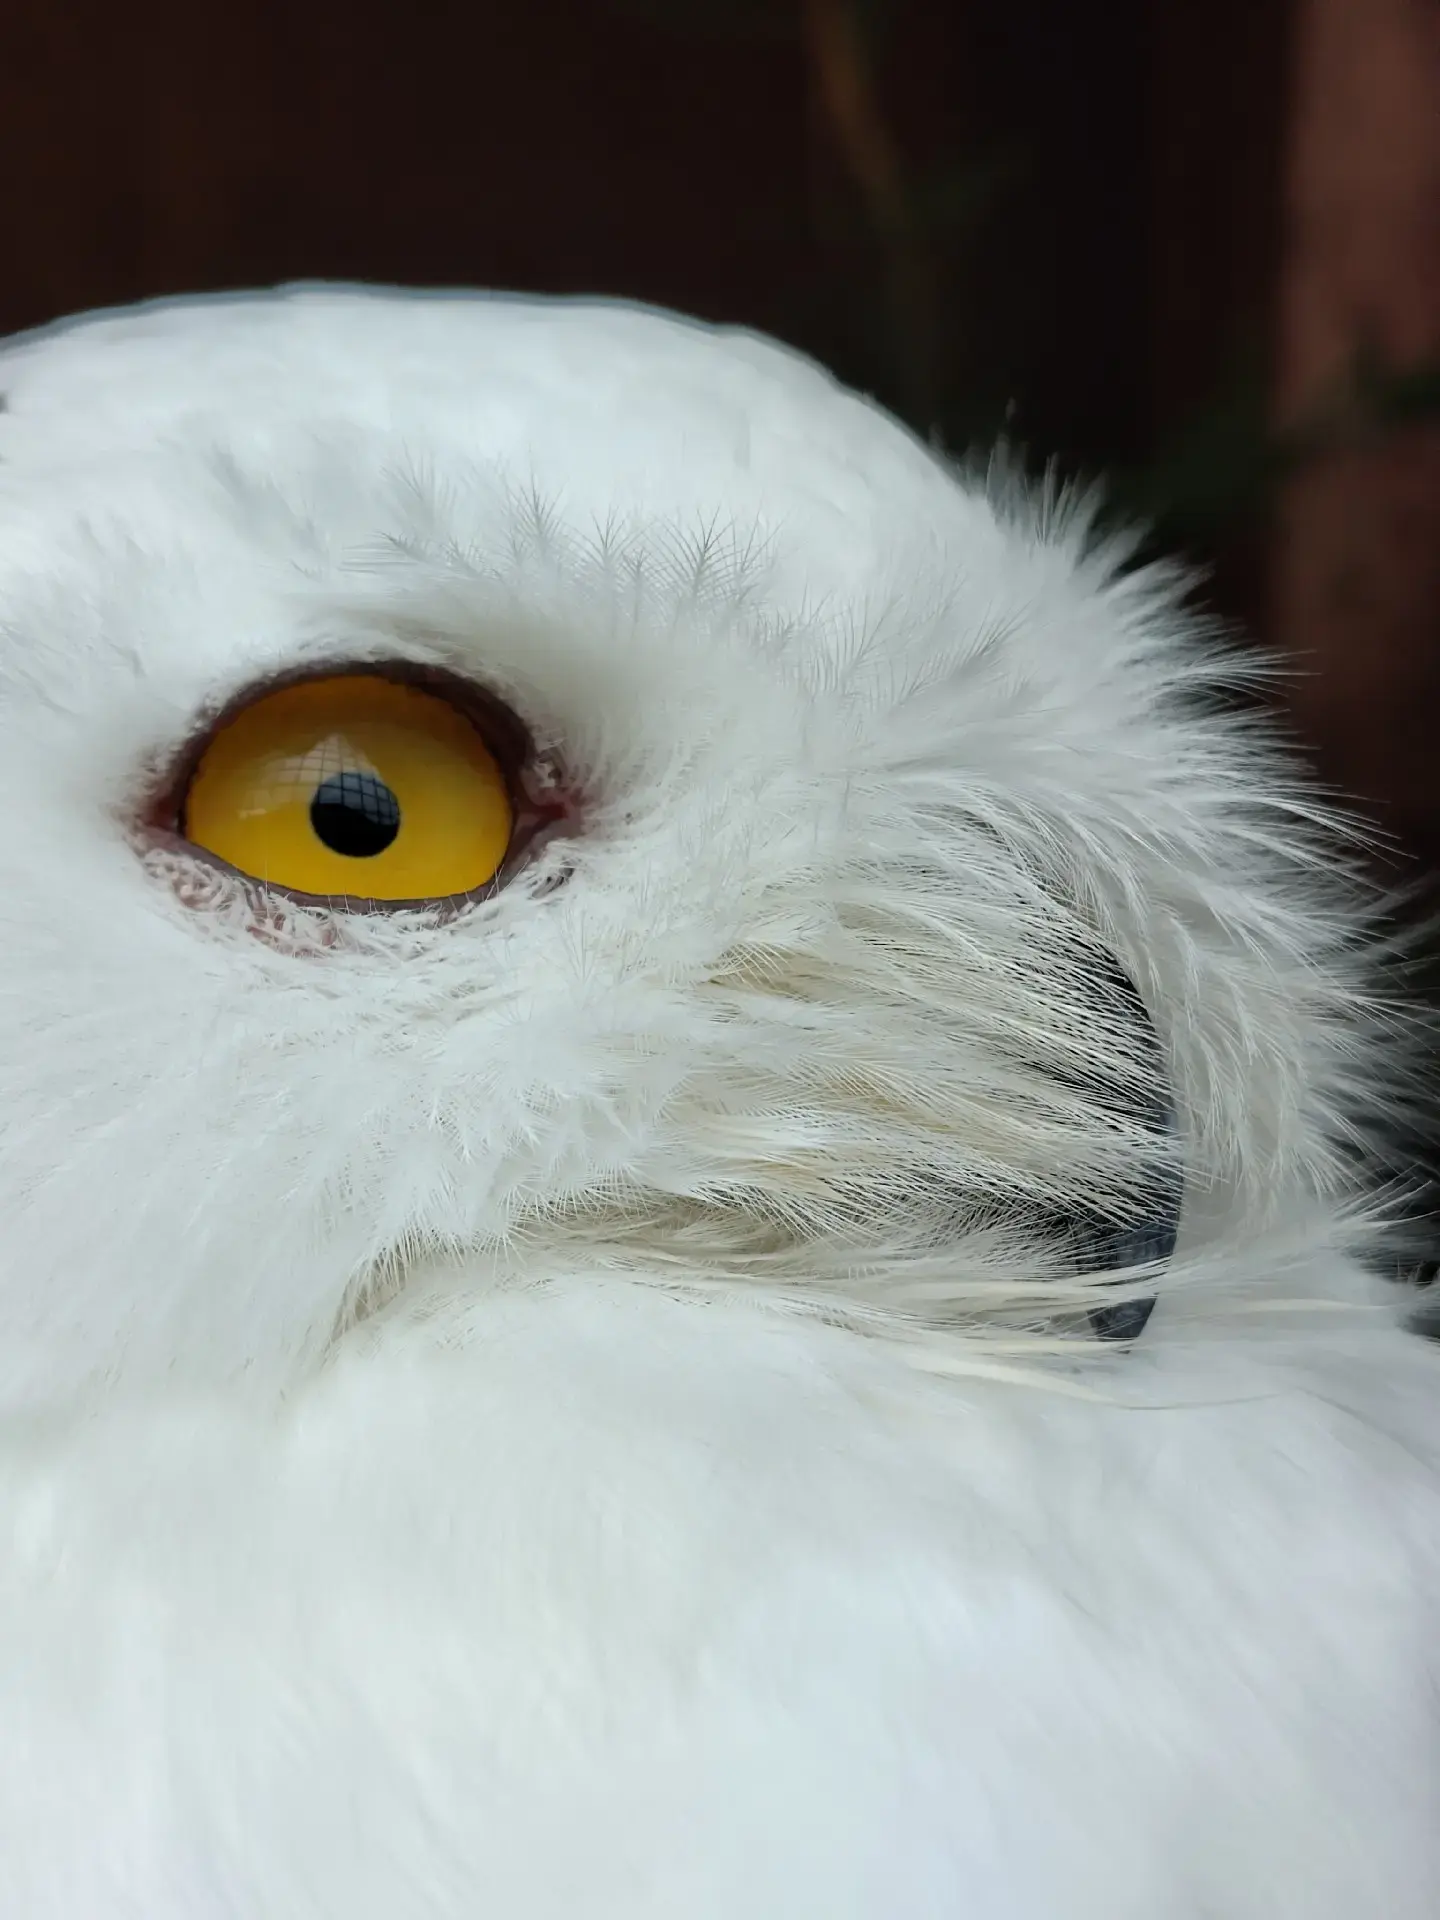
682 1218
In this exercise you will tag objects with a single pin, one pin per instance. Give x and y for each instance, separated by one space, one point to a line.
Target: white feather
568 1410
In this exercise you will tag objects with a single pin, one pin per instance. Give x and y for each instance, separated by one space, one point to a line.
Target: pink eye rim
544 802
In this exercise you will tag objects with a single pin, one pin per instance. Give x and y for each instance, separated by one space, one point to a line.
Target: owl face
499 789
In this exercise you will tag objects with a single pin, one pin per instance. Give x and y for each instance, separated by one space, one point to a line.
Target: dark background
1192 244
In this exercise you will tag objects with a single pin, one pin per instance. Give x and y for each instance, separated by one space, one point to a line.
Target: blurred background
1191 245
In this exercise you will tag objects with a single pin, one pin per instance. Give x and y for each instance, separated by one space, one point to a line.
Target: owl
684 1102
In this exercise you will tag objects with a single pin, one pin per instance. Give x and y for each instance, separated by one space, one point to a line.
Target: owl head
502 789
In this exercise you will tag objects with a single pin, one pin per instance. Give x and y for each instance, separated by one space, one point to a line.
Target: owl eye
355 785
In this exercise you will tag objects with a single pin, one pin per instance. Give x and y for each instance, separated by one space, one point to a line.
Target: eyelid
544 805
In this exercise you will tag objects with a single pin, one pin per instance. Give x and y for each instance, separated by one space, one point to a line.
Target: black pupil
355 814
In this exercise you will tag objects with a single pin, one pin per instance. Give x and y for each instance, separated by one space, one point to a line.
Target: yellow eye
354 785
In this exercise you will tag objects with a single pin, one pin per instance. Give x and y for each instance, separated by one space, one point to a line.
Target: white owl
612 983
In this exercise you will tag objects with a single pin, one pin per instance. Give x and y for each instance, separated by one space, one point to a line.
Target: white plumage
588 1406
